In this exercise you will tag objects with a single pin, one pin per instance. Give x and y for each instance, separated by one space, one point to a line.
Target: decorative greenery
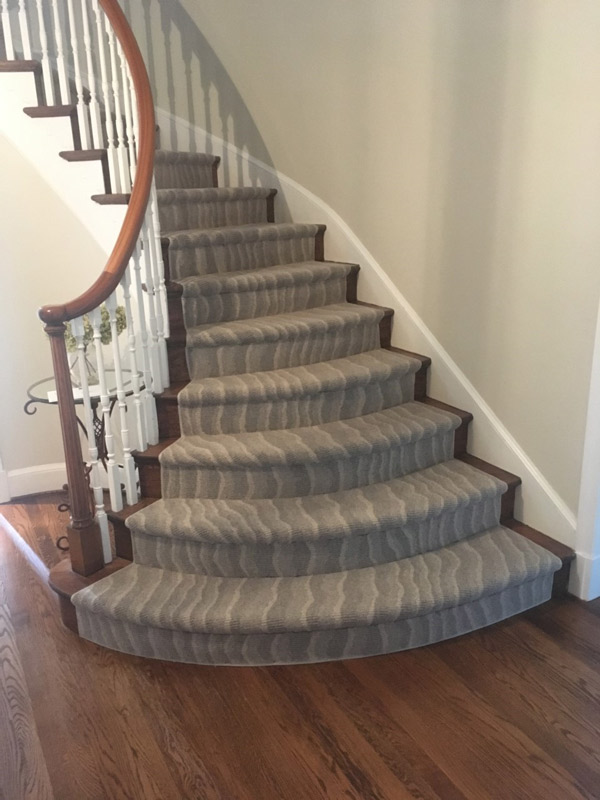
88 330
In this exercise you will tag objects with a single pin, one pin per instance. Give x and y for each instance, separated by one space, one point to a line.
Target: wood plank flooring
508 713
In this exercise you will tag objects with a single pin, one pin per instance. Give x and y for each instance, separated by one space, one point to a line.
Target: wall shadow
190 82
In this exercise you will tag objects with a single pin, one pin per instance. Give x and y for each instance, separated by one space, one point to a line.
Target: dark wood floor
508 712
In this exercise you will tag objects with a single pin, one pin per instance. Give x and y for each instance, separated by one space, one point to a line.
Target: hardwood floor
509 712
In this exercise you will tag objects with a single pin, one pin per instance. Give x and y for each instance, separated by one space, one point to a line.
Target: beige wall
459 139
46 256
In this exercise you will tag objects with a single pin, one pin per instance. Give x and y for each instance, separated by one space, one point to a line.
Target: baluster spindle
128 462
158 279
82 109
112 468
94 107
7 34
123 161
46 69
78 330
61 62
129 111
24 28
149 404
157 383
138 407
106 96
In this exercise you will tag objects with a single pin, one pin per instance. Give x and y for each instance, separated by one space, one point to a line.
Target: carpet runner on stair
311 509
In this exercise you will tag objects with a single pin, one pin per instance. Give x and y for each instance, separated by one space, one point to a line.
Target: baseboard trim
4 487
34 480
585 577
539 505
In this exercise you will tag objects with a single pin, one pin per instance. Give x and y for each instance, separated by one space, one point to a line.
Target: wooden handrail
118 260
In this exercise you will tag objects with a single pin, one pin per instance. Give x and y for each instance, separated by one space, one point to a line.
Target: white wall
46 256
459 141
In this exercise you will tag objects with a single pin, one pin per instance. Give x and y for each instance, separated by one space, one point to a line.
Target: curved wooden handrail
112 273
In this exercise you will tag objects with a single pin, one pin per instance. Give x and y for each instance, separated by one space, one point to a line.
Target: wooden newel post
85 544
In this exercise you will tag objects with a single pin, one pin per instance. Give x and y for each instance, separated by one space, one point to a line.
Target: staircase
305 500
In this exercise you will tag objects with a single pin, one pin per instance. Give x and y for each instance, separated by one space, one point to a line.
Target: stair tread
312 379
483 565
230 234
83 155
212 194
353 512
345 439
279 276
51 111
20 65
181 157
280 327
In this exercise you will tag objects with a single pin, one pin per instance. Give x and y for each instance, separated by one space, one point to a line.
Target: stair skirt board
315 646
311 510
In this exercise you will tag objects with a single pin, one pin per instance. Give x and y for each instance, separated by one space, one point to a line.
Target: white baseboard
33 480
539 505
585 577
4 487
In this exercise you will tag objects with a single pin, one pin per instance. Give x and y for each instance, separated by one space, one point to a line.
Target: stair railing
90 60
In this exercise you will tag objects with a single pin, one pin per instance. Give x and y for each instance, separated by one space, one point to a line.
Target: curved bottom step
311 646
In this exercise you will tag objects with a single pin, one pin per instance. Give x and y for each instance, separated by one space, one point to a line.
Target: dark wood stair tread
50 111
20 65
111 199
150 454
83 155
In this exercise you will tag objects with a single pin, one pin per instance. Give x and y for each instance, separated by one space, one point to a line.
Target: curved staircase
307 501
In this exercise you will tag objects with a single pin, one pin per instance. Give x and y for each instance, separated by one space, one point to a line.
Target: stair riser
317 478
181 216
310 647
250 305
185 176
206 362
320 556
230 257
298 412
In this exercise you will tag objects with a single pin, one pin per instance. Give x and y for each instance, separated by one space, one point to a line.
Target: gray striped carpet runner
312 509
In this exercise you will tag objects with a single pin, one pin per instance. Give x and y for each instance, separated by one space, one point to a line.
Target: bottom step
255 621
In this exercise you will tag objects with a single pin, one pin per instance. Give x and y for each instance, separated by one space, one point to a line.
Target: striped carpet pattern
312 509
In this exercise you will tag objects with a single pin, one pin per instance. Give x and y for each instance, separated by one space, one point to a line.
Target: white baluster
110 127
138 407
61 63
97 136
157 382
24 28
158 272
128 462
149 404
7 31
129 110
82 110
46 69
112 468
123 160
77 328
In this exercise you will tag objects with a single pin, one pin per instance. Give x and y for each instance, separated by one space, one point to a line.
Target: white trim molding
539 505
585 574
34 480
4 487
